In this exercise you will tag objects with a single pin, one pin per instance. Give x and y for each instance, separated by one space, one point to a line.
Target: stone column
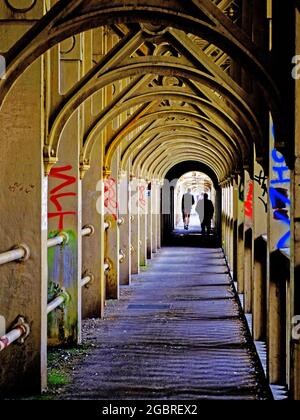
23 213
65 203
135 227
154 215
295 242
260 212
149 221
112 239
248 243
240 233
143 221
279 234
93 294
158 215
235 199
125 229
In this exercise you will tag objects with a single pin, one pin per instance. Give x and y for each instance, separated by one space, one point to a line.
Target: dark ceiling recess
189 166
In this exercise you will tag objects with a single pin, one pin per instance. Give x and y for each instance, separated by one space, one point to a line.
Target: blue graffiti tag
278 196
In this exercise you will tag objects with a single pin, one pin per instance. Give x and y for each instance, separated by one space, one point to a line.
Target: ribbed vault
177 100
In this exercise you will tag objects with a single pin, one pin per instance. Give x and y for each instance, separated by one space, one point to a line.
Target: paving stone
176 333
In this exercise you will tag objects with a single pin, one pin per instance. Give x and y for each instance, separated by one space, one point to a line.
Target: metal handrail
87 280
19 253
88 230
18 333
58 240
63 237
63 297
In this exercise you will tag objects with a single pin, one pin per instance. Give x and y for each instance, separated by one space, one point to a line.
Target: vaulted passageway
104 106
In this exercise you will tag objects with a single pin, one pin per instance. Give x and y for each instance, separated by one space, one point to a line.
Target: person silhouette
187 203
205 210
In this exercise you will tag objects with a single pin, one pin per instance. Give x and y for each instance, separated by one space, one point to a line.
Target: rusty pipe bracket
91 227
92 277
24 327
109 223
109 263
122 256
26 250
65 295
65 236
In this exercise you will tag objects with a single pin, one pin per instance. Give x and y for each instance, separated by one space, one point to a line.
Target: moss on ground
61 363
57 378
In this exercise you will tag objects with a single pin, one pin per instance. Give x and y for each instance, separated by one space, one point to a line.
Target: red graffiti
110 197
4 342
54 197
249 202
142 200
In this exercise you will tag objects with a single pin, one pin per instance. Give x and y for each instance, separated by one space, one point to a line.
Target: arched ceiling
178 99
176 171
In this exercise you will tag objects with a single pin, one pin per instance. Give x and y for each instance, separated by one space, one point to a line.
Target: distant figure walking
187 203
205 210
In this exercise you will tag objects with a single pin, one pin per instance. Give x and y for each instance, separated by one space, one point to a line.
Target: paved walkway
176 333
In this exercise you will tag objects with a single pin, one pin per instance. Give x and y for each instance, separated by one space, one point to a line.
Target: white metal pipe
19 253
62 238
59 300
20 331
58 240
88 230
85 280
13 255
10 338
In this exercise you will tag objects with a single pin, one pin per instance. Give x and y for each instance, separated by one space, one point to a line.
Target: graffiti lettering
142 199
279 196
280 171
110 197
261 180
249 202
264 203
54 197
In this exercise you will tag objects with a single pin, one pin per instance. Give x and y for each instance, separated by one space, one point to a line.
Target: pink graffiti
110 197
142 200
